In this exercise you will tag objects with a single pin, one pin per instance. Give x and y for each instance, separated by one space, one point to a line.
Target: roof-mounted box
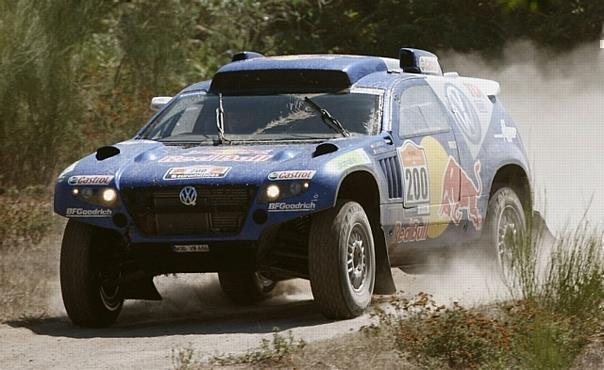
419 61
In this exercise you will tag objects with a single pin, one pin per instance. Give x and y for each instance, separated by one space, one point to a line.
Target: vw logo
188 196
464 113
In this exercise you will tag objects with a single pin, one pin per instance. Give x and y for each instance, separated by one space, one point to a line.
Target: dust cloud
557 101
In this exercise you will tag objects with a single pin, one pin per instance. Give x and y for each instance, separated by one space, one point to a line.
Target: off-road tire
503 200
331 285
246 288
82 250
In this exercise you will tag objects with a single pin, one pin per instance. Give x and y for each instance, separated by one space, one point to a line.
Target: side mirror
158 102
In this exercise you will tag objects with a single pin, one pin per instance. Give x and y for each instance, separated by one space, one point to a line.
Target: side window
421 112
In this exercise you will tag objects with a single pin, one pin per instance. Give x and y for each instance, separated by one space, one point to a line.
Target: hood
142 163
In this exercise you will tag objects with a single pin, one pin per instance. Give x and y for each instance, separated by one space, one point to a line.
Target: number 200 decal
415 172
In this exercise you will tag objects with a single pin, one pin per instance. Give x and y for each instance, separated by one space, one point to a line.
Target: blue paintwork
138 163
356 67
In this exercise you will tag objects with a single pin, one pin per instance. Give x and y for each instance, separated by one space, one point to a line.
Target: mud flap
384 283
143 288
540 229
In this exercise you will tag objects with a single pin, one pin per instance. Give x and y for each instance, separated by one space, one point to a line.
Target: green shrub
566 276
574 283
542 339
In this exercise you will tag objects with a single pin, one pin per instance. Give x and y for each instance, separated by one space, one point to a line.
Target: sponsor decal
467 193
508 133
429 65
471 108
90 180
292 207
415 173
379 148
464 113
188 196
415 232
191 248
291 175
345 161
196 172
220 155
81 212
478 98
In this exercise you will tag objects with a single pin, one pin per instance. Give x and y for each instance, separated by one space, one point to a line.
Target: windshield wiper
220 121
327 118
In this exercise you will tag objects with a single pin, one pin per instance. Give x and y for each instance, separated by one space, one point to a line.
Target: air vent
392 171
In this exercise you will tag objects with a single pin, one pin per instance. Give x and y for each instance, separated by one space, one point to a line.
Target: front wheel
89 278
341 260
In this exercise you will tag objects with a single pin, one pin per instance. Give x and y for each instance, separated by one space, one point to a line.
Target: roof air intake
419 61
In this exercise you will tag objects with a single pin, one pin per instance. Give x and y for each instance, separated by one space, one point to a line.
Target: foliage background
77 74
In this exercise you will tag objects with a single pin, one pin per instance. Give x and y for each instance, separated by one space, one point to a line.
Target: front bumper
219 215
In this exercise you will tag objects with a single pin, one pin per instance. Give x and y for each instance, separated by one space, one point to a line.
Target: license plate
191 248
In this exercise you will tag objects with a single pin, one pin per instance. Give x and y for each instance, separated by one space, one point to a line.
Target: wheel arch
362 187
515 177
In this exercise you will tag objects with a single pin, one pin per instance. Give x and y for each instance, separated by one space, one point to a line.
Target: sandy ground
195 314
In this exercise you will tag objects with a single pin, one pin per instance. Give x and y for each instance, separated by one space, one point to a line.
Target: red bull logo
464 197
413 233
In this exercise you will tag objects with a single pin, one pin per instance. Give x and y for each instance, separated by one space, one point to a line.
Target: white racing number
415 172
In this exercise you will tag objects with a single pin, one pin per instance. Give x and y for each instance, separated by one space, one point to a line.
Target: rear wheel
505 228
341 260
246 288
89 276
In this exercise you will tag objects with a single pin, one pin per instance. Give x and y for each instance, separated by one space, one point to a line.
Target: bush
25 216
565 277
574 283
455 336
270 352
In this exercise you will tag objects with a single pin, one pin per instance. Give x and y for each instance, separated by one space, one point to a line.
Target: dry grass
26 275
28 254
349 351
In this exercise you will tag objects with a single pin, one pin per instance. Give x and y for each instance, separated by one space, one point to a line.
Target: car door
427 154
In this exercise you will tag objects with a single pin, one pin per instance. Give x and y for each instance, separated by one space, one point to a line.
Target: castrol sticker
90 180
291 175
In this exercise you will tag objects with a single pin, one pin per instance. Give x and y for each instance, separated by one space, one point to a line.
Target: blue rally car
332 168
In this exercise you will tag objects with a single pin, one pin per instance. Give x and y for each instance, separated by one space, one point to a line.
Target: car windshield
194 117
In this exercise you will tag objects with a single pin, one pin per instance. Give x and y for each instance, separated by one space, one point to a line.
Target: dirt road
194 313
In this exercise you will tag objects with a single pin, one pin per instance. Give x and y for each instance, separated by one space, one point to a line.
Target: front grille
159 211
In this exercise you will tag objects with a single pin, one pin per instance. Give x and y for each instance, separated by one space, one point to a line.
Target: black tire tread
323 261
82 302
502 196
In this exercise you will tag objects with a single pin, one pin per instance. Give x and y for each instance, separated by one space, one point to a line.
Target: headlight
283 189
109 195
272 192
102 196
